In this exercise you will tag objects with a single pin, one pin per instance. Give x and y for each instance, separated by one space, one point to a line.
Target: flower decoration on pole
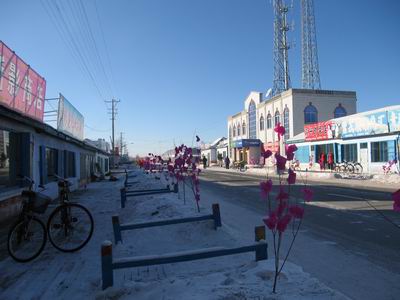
285 210
280 130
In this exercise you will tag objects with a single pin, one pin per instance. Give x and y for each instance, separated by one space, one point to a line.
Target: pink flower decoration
280 130
266 153
283 223
291 148
280 162
292 177
296 211
282 195
290 156
396 200
271 221
266 187
308 194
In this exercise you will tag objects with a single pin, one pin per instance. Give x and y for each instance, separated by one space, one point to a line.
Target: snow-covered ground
56 275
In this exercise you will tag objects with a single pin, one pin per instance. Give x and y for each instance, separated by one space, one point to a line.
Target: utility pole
121 144
113 114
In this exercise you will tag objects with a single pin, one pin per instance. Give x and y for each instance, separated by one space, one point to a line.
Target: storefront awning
247 143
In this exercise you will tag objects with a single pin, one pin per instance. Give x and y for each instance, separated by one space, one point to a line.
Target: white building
210 151
253 128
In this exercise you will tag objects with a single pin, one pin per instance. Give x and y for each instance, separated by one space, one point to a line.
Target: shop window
286 122
349 152
51 157
363 145
277 118
261 123
379 152
15 154
310 114
339 111
269 121
69 164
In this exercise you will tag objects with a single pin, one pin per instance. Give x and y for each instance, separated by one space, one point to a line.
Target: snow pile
56 275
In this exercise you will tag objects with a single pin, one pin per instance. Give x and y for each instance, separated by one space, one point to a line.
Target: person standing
323 160
227 162
204 162
330 160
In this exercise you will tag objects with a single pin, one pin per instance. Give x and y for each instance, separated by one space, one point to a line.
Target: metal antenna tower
281 47
309 54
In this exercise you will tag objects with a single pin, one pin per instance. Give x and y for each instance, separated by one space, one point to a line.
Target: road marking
346 196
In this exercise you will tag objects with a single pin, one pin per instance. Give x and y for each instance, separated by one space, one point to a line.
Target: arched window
269 121
310 114
234 130
286 122
261 123
238 129
277 118
252 121
244 128
339 111
230 132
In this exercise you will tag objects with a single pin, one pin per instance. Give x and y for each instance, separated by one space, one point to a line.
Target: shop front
247 150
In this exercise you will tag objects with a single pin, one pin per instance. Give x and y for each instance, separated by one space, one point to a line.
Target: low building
371 138
210 151
32 148
253 128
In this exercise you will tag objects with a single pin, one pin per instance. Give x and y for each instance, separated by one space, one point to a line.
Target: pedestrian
330 160
227 162
323 161
204 162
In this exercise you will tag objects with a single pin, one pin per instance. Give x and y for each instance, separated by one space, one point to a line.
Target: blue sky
181 67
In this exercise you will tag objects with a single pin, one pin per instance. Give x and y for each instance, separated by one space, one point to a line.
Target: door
364 158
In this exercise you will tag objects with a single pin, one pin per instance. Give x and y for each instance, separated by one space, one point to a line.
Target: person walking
330 160
204 162
227 162
323 160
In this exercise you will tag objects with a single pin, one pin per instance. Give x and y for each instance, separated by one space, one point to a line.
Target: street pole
113 114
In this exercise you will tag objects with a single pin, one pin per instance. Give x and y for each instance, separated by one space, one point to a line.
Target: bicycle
28 236
387 168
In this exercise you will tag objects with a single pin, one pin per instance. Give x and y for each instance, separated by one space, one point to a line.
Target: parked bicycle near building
69 227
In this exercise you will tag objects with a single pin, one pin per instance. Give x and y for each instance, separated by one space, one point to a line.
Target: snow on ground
56 275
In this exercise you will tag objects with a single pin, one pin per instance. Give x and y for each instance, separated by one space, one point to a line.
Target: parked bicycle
348 167
69 227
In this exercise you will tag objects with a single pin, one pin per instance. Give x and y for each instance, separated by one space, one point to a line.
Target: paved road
338 215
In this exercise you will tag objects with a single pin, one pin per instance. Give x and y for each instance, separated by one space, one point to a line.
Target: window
310 114
286 122
15 153
379 152
230 132
243 128
363 145
277 118
339 111
238 129
252 121
234 130
269 121
51 157
261 123
349 152
69 164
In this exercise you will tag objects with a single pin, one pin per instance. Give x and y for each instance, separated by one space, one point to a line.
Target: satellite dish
268 93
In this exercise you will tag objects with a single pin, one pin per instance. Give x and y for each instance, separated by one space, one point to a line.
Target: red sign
21 88
318 131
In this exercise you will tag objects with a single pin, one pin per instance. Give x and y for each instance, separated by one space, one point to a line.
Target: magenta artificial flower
279 129
266 187
280 162
283 223
291 148
271 221
396 200
266 153
308 194
296 211
290 156
170 168
282 195
292 177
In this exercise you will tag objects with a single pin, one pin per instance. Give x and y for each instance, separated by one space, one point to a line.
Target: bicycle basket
37 202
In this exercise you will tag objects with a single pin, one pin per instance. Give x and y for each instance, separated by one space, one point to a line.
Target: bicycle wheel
26 239
358 168
70 227
350 168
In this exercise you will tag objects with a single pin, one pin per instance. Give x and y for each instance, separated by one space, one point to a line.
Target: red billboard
319 131
21 88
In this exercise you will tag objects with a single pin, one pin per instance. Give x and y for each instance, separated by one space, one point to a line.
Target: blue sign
369 124
247 143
